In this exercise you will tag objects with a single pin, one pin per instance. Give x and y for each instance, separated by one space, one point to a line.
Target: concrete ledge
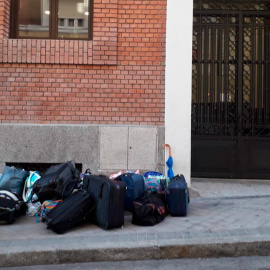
147 252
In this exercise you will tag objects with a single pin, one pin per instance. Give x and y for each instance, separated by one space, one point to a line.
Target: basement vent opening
40 167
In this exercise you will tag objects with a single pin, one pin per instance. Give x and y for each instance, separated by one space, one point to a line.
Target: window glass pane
73 19
34 18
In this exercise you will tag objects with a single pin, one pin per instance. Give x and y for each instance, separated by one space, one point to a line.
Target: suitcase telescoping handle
177 177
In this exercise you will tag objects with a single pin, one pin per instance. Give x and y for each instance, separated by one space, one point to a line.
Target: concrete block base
103 149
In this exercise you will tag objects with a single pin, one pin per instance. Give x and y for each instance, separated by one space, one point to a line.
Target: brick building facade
103 102
116 78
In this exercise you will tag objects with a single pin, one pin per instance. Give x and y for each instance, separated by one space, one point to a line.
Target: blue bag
13 180
135 188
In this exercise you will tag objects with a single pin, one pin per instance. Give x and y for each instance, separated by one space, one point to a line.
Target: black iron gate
231 89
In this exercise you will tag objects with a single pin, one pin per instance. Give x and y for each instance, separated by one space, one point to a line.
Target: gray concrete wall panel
113 148
49 144
103 149
142 148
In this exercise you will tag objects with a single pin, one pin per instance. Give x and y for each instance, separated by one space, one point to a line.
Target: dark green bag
13 180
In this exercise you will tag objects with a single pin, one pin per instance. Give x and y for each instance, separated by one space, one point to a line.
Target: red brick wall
118 78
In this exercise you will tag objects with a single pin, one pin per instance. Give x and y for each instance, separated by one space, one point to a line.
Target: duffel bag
57 183
11 206
149 210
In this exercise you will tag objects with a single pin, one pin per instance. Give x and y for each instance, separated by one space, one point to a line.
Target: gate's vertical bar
240 90
224 106
199 76
206 73
220 42
212 74
253 76
266 72
259 79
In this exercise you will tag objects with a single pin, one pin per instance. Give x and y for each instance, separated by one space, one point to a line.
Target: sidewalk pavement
214 227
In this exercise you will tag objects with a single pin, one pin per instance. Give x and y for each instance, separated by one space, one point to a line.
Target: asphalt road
242 263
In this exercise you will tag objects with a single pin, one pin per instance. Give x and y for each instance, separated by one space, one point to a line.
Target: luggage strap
8 194
6 209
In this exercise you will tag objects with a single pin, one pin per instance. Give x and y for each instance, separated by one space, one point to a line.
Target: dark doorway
231 95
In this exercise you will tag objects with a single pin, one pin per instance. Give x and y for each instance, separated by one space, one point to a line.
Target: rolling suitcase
135 188
109 197
177 196
70 212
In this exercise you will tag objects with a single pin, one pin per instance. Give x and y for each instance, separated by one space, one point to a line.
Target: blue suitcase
135 188
177 196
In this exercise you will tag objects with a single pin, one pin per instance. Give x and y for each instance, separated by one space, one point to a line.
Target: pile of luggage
64 198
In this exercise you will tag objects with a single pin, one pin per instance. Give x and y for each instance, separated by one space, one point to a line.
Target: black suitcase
70 212
109 196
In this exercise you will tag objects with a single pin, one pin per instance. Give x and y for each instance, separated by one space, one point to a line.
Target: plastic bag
113 176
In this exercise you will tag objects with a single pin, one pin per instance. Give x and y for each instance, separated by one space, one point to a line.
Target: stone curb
154 252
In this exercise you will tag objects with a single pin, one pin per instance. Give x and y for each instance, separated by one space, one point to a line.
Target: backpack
11 205
149 210
28 185
57 183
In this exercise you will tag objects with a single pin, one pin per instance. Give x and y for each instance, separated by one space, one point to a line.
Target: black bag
70 212
109 196
149 210
11 206
57 183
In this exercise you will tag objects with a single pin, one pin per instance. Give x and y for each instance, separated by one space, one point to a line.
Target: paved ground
215 227
209 188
